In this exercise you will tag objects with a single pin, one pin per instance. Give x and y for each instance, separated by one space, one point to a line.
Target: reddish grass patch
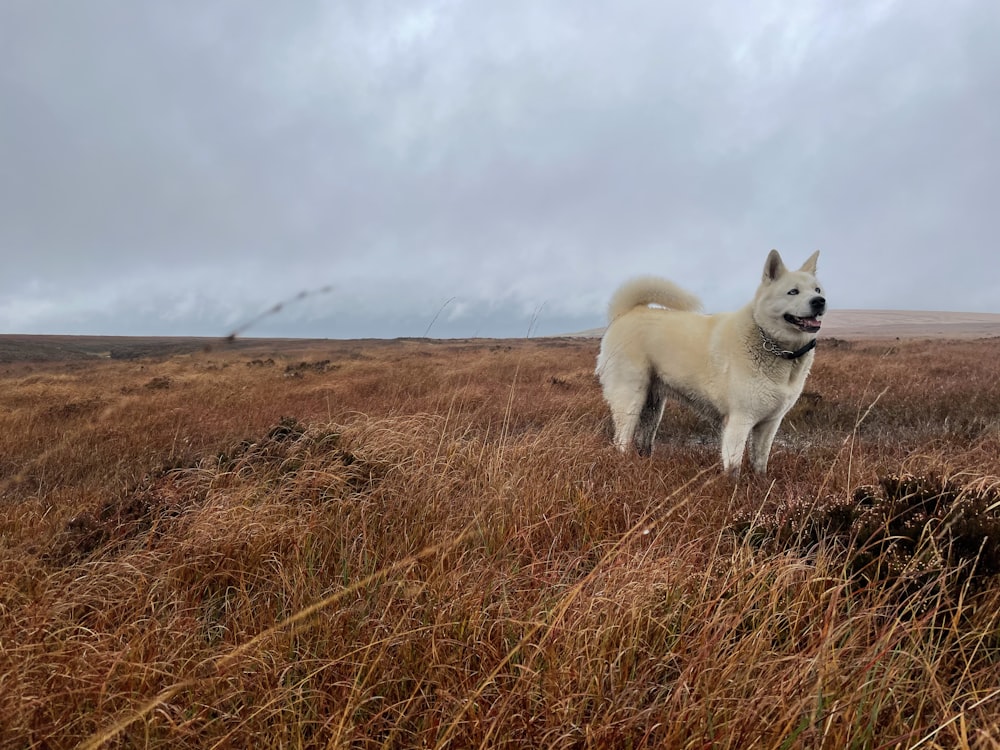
423 543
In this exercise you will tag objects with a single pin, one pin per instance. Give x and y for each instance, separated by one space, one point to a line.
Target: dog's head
789 304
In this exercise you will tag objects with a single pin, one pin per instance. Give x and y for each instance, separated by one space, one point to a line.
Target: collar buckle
773 347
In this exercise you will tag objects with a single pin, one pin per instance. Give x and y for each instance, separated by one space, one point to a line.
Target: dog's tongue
812 322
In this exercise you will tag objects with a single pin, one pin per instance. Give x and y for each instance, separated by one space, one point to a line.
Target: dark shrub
912 531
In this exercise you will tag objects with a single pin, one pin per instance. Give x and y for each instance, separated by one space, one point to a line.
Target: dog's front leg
760 444
735 431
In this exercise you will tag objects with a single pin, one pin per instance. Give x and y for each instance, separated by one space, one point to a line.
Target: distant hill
910 324
40 348
890 324
845 324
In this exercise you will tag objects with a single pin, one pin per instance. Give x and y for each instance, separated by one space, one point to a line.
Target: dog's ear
773 266
810 265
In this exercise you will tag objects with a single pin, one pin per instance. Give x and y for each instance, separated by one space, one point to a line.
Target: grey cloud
182 166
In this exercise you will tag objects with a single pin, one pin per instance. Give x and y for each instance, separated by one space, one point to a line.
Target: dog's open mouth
809 325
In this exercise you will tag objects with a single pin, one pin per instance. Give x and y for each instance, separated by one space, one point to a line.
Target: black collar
772 346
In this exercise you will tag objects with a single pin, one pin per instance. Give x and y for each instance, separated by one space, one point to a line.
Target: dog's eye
818 291
793 291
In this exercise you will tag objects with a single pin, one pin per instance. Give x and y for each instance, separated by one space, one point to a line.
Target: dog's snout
818 305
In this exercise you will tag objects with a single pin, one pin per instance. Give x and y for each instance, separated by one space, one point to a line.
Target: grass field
433 544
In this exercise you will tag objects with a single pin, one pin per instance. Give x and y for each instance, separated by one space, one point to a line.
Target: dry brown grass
433 544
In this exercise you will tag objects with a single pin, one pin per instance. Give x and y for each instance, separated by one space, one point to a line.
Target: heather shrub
916 532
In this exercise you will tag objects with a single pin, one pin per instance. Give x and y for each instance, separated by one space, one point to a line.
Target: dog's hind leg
626 419
649 417
626 394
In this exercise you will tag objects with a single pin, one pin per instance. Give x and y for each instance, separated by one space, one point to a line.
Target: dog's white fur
724 364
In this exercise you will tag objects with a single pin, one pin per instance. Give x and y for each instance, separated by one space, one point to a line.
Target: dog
747 367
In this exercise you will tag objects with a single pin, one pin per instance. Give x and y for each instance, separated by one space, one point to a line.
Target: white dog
746 366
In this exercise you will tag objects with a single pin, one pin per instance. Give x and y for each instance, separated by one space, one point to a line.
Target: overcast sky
177 168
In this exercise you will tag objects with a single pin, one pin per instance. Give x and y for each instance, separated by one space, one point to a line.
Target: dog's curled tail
651 290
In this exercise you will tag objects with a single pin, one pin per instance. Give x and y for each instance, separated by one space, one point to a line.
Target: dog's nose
818 305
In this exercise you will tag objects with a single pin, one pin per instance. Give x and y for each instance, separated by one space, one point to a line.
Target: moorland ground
425 543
